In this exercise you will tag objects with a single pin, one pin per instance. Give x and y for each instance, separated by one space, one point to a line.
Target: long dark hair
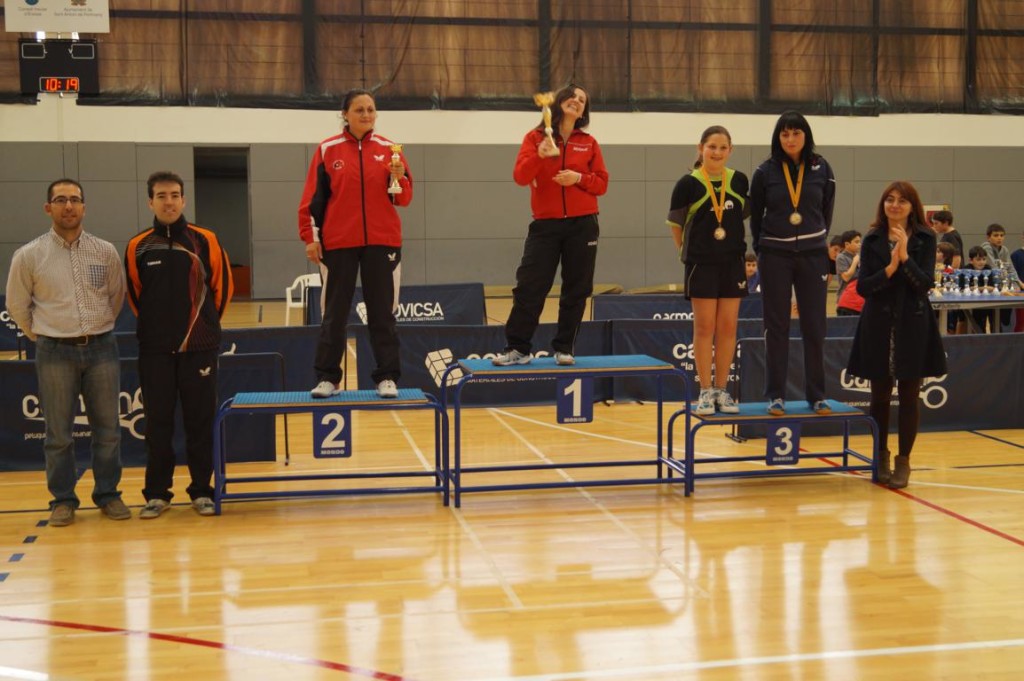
915 220
713 130
556 109
793 120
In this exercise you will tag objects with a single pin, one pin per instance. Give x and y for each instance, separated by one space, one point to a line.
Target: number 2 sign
332 434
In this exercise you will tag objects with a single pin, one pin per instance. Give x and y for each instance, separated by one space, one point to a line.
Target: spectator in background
976 320
997 256
848 260
753 277
835 244
942 223
944 254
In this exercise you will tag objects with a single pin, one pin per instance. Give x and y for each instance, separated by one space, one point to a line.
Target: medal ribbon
717 205
794 194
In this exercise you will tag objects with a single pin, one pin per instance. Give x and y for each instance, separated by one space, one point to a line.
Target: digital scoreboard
59 66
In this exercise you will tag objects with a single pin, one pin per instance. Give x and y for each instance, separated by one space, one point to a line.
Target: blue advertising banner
982 389
673 306
428 349
451 304
22 427
9 331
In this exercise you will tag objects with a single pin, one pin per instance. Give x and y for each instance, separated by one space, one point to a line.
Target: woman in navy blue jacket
792 195
897 339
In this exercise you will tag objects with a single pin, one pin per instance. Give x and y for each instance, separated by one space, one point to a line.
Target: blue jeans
94 372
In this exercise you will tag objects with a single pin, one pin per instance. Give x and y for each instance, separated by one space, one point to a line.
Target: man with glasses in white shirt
64 291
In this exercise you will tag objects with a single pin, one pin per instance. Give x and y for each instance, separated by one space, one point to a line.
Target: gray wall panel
112 209
476 210
24 218
657 199
988 164
177 158
28 161
624 163
662 264
275 265
913 163
275 207
667 163
477 163
71 160
621 261
491 261
277 163
622 210
107 161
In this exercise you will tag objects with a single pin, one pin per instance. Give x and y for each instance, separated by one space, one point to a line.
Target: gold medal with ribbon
794 194
717 203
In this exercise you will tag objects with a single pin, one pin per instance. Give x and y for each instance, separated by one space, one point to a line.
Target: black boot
882 471
900 473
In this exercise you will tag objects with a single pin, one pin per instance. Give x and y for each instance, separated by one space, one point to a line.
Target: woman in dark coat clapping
897 339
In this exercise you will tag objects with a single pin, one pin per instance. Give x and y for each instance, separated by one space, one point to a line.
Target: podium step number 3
783 444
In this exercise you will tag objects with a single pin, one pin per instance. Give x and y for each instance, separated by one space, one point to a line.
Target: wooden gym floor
819 577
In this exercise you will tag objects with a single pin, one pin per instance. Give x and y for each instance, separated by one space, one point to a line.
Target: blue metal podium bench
782 452
327 411
466 372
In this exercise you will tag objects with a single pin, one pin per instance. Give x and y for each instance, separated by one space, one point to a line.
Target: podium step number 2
332 434
575 400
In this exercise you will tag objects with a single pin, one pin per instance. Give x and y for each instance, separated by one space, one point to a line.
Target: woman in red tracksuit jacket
565 176
348 220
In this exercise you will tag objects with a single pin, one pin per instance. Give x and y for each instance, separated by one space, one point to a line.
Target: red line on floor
186 640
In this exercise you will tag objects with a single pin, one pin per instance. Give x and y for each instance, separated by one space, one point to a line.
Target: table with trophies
969 289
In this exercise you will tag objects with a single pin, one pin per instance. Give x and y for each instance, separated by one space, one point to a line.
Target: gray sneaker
154 508
324 389
116 510
564 359
204 506
725 403
62 515
510 357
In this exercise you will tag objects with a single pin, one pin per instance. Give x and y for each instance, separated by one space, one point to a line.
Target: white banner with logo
57 16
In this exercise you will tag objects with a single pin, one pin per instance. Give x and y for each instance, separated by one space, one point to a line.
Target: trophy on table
395 187
544 100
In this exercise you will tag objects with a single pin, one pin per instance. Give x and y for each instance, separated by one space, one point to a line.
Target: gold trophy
544 100
395 187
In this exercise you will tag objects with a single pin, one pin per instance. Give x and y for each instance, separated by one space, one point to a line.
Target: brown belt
78 340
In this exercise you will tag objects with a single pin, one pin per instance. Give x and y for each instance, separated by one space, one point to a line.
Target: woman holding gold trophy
348 220
565 171
792 195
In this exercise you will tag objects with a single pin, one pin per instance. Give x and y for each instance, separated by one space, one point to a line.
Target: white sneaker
705 403
153 509
387 388
564 359
204 506
324 389
510 357
725 403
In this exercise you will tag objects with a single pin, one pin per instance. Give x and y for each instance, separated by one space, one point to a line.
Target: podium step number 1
575 400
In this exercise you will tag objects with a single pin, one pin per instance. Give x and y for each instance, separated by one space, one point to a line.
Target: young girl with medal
706 216
792 195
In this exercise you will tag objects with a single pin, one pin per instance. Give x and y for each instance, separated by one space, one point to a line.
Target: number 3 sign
783 444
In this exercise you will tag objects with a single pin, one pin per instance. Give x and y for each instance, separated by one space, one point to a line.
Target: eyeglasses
63 200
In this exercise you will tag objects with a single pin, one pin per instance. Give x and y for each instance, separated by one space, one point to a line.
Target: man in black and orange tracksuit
179 285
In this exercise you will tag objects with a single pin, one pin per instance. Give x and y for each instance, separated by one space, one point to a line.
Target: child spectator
997 256
942 223
976 320
835 244
945 254
848 260
753 277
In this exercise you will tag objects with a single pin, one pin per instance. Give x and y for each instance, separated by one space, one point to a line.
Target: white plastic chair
301 283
